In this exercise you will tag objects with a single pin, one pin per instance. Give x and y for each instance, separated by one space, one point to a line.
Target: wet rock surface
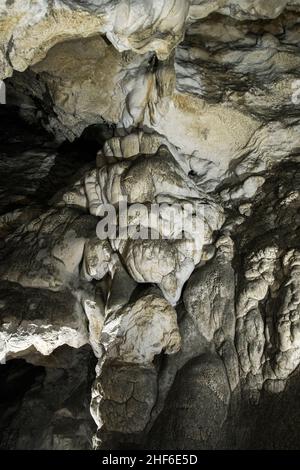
188 342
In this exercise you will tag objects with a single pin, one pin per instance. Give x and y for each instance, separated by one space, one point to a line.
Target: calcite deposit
185 333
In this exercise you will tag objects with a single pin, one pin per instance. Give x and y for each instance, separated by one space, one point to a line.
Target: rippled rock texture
160 342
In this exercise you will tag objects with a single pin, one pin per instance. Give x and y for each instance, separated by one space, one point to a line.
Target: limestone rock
48 416
141 331
149 224
39 319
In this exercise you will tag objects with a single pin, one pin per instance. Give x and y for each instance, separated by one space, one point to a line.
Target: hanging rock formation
188 338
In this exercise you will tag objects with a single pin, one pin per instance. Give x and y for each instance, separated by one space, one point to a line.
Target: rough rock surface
169 342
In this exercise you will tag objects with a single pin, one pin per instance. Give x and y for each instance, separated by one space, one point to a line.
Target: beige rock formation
178 336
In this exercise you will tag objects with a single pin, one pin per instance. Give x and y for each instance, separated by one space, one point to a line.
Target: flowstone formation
175 336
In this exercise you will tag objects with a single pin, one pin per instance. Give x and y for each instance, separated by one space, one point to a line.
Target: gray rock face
171 337
187 422
49 416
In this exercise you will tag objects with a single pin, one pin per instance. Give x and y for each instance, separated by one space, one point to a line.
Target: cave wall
168 343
